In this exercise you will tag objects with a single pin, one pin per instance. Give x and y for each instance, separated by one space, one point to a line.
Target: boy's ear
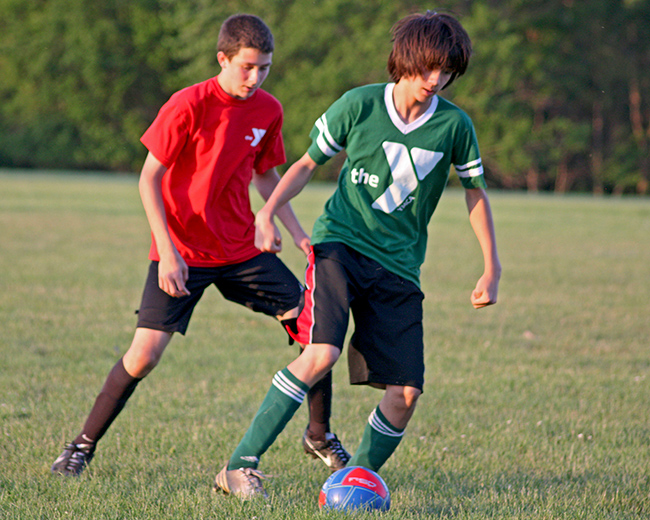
222 59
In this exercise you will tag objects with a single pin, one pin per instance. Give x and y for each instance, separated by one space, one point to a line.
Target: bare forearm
172 269
480 216
152 200
482 222
266 184
289 220
290 185
267 235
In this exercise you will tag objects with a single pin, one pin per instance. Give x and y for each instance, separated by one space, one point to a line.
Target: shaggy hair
429 41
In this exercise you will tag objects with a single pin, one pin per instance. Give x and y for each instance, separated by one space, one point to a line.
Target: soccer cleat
73 460
245 483
330 451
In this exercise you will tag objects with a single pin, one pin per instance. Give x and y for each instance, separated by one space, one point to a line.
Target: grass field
536 408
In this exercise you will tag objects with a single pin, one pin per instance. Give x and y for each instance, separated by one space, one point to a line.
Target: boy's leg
159 316
320 408
318 441
388 351
264 284
282 400
143 355
285 396
287 392
319 396
385 427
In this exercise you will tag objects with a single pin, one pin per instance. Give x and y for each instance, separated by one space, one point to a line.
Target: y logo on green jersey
406 168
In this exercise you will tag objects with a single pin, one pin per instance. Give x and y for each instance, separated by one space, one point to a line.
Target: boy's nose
434 78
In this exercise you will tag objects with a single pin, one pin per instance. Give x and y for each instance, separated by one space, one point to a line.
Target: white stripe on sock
282 383
377 424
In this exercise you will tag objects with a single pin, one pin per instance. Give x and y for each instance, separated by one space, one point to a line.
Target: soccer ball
354 488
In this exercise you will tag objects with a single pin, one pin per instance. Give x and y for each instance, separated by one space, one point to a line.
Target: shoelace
336 446
255 478
78 458
76 461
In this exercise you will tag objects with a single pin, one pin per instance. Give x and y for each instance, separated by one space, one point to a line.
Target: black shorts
263 284
386 308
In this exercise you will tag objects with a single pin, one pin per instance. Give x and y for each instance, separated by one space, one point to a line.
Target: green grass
536 408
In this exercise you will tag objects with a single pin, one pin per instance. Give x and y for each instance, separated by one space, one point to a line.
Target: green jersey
394 174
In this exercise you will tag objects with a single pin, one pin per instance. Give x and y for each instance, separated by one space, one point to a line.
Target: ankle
84 441
317 433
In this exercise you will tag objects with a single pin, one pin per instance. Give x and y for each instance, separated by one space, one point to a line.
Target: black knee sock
320 407
117 389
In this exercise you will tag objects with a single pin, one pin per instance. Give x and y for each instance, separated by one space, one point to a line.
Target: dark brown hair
429 41
244 31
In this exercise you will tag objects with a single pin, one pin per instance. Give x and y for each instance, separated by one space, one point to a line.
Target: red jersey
211 143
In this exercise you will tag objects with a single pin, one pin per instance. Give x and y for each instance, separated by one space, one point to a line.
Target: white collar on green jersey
397 120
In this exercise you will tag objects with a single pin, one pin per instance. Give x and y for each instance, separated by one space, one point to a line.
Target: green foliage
83 81
535 408
559 90
540 73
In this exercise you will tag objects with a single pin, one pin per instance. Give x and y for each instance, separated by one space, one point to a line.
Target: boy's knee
404 396
145 352
141 363
314 362
411 396
326 356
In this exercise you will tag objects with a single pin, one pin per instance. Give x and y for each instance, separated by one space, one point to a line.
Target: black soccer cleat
73 460
330 451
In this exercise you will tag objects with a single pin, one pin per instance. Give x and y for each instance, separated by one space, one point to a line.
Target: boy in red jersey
207 144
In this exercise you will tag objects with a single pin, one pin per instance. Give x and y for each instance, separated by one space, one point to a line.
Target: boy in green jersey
368 245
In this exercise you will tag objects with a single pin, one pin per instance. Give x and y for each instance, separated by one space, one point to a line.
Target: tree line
559 90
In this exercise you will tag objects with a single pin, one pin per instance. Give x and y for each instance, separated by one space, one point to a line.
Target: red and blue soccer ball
354 488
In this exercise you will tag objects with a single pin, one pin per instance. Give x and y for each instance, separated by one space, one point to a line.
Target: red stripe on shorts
306 317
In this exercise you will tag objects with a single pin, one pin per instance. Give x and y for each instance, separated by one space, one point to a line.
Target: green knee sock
380 439
282 400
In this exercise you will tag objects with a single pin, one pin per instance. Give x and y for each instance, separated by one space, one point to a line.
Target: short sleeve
167 134
467 158
272 153
329 134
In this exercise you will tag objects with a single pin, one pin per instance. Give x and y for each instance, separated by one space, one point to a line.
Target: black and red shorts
386 308
263 284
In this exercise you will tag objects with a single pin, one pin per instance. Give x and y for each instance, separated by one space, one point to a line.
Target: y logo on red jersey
258 133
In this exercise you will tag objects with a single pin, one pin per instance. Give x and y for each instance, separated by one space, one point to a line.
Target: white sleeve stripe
322 145
325 141
326 131
470 169
472 172
467 166
288 388
381 427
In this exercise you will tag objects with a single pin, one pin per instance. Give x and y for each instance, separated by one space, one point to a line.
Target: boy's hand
485 292
172 275
303 242
267 235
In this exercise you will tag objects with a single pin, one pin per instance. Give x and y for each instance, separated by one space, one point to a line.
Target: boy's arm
265 184
480 217
267 234
172 269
